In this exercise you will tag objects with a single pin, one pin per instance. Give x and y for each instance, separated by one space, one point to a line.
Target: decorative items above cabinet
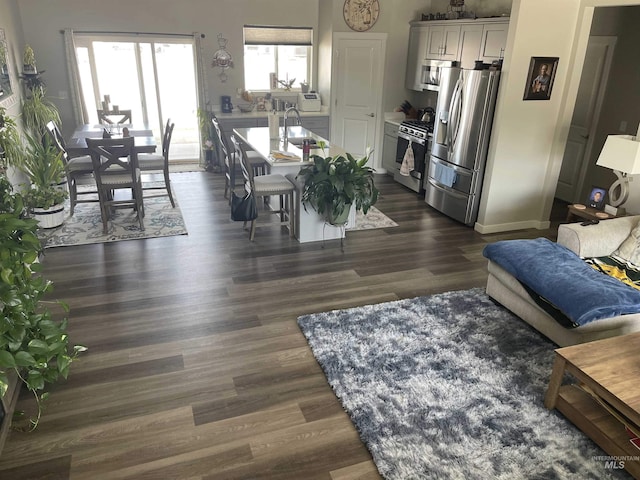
464 41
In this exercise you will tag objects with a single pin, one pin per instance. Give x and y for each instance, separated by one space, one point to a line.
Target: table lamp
621 153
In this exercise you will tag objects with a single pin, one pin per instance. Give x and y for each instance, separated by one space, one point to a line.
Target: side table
588 213
609 369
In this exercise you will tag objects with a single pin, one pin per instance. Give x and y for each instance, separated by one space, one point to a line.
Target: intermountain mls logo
615 463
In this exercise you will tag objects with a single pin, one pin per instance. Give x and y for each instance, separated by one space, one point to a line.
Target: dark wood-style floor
196 368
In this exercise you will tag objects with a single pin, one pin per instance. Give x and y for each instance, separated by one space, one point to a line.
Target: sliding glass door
152 77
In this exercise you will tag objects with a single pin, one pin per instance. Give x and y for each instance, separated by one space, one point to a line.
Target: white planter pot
49 217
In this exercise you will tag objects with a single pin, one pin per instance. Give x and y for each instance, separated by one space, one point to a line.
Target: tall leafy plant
43 162
37 111
32 342
333 184
43 165
11 147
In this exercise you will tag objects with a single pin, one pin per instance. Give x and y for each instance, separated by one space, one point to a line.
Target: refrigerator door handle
454 115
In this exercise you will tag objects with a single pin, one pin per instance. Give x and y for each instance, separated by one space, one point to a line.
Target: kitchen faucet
286 116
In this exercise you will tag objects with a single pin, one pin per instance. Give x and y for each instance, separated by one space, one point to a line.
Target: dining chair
79 171
150 162
113 117
115 166
266 186
232 167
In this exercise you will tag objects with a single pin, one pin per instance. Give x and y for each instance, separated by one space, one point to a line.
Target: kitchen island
309 226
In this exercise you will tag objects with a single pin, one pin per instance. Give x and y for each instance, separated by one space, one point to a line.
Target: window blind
260 35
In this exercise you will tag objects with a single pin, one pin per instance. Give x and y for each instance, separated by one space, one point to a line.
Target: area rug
450 386
85 226
373 219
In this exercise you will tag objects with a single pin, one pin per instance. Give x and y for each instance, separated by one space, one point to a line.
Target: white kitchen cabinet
443 41
494 41
485 42
418 36
389 147
464 41
470 38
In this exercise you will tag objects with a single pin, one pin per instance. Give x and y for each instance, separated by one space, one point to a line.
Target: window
285 51
143 74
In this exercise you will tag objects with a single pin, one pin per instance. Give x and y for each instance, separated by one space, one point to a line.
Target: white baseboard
508 227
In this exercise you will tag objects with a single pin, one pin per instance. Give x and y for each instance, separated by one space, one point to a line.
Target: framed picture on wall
542 72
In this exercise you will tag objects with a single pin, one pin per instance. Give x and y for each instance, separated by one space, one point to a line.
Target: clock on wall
361 15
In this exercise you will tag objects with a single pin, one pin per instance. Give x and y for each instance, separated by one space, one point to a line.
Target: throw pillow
630 248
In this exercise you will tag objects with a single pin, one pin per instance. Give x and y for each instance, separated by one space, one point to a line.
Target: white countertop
394 117
324 112
258 139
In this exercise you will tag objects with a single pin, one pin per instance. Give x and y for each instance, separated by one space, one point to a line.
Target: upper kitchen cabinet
494 41
442 42
465 41
484 41
418 36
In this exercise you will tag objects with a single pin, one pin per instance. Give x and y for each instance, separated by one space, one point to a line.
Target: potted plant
207 136
29 60
34 345
43 165
11 148
332 185
37 111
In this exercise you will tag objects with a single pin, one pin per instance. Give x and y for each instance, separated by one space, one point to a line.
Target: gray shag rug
450 386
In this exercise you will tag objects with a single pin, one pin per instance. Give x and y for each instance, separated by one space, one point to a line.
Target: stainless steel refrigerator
464 115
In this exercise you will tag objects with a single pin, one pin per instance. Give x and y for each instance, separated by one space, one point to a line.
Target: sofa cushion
629 250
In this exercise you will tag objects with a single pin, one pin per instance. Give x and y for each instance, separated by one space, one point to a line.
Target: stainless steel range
417 136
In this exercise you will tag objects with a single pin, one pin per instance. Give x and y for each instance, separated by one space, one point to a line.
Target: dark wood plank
196 367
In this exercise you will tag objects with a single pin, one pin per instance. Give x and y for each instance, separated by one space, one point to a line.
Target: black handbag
243 209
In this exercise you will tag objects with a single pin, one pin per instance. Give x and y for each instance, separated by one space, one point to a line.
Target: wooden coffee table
609 368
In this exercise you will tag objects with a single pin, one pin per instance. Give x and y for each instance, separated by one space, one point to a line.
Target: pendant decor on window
222 58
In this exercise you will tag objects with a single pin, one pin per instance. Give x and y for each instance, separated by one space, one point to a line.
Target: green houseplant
208 140
333 184
33 344
11 147
37 109
43 165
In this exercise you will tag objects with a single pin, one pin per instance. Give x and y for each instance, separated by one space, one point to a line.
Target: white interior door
357 77
575 162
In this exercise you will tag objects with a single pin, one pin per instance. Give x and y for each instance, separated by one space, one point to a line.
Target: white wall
529 136
42 21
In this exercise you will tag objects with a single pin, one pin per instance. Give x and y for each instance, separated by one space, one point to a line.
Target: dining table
76 145
286 158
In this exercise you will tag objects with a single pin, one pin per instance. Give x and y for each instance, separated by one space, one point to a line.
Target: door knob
371 114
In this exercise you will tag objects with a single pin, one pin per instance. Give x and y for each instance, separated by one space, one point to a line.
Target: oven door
414 180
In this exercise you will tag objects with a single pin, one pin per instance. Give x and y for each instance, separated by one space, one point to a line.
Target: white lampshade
621 153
